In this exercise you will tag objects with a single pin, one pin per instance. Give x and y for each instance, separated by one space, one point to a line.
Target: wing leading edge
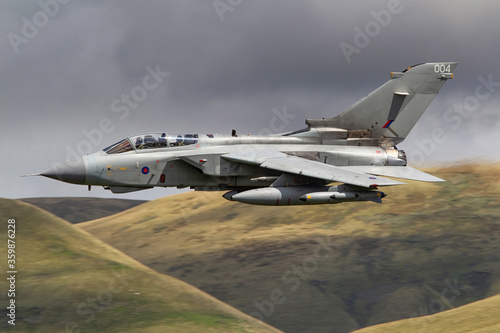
296 165
404 172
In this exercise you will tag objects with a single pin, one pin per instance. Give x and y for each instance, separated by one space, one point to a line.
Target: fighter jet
355 149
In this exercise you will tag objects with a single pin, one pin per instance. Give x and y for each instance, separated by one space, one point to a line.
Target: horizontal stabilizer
404 172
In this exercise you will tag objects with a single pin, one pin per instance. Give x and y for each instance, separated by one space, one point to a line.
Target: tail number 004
441 68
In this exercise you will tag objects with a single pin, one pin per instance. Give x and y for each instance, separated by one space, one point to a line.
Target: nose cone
73 172
229 195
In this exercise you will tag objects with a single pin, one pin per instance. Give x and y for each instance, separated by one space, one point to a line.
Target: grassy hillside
68 281
478 317
76 210
330 268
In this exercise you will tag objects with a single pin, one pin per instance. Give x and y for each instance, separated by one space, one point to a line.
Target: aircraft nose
73 172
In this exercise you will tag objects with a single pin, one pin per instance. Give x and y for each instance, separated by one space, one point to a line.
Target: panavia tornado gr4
356 150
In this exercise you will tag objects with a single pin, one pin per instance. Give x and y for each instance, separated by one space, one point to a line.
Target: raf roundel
145 170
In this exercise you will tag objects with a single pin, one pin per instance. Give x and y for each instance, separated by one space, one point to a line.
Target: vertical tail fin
390 112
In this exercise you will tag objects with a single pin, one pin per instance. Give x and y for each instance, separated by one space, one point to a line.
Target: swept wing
296 165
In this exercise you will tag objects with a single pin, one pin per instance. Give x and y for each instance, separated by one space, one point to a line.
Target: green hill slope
477 317
68 281
330 268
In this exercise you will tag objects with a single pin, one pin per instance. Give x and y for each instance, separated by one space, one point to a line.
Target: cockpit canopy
152 141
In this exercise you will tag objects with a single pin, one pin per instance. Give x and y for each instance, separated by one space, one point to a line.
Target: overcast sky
225 64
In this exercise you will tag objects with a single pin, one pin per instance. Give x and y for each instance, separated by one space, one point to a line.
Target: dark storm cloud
281 47
230 73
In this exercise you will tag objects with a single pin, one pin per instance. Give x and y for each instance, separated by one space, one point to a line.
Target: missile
327 197
338 197
263 179
299 195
